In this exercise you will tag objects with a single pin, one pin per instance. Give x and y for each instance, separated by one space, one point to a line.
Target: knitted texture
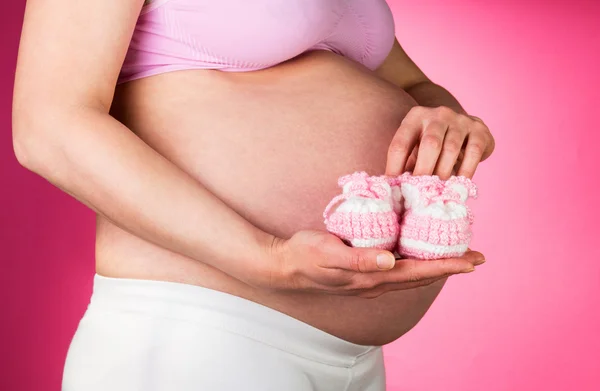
366 213
436 222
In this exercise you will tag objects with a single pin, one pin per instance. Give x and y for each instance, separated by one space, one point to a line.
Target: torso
271 144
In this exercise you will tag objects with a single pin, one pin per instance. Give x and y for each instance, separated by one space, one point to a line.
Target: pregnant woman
208 137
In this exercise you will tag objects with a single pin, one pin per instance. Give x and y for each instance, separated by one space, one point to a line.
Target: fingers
432 141
472 257
362 277
458 162
362 260
402 146
412 160
480 144
385 288
480 127
472 156
430 147
415 270
317 261
451 149
409 274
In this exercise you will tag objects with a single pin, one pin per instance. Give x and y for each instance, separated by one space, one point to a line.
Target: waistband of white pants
212 308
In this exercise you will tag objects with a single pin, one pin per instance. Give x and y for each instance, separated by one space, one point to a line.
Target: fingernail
469 270
480 261
385 261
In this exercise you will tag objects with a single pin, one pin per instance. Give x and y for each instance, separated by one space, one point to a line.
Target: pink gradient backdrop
527 320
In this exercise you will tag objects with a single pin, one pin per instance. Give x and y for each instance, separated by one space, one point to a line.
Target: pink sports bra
238 35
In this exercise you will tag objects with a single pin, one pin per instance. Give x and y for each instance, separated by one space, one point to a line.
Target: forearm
107 167
429 94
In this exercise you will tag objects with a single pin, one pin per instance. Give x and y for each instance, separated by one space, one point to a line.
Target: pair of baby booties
421 217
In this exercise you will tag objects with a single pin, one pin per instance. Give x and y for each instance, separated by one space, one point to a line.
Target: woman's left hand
439 141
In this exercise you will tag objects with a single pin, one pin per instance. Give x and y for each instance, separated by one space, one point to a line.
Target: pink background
529 319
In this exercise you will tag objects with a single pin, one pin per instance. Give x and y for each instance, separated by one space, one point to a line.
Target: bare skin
206 177
271 145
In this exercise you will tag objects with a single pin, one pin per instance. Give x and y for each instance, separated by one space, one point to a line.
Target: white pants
140 335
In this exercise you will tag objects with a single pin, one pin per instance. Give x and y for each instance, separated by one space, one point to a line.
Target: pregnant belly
271 144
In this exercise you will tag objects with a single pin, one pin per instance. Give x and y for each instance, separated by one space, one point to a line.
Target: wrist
264 261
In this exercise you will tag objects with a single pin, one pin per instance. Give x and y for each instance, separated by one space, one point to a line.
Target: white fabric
140 335
440 210
432 248
363 204
360 204
357 242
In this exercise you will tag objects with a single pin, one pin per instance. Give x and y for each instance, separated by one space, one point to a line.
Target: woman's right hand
316 261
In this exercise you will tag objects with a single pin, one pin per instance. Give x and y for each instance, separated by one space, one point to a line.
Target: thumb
367 260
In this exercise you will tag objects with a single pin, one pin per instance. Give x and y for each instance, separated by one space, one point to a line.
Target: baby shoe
436 222
365 216
396 194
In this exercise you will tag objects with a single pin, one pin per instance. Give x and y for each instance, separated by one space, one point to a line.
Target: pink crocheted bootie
365 216
437 222
396 194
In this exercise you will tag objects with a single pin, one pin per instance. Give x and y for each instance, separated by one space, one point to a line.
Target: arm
424 148
69 60
437 137
399 69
